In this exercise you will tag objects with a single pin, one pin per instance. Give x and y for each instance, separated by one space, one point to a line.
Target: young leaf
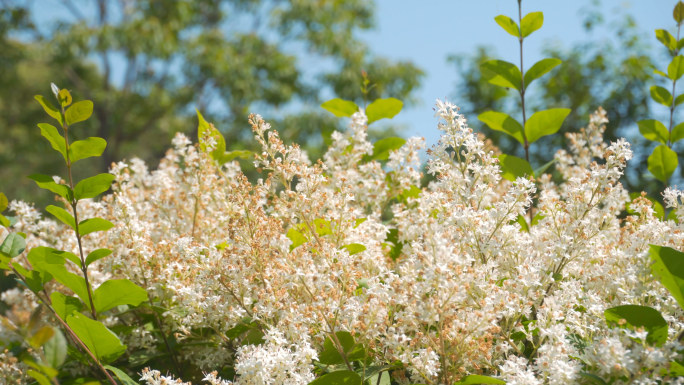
94 224
341 108
666 38
55 349
500 121
121 375
35 280
65 305
40 378
53 136
339 377
637 316
93 186
47 183
508 24
104 344
501 73
383 108
383 147
3 202
97 255
49 108
63 215
675 69
513 167
661 95
662 162
677 132
678 12
232 155
354 248
679 99
531 22
668 267
657 207
207 130
51 261
78 112
544 123
539 69
296 237
479 379
64 97
653 130
13 245
523 223
115 292
82 149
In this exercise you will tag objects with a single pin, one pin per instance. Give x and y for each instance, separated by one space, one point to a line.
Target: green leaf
508 24
13 245
51 261
340 108
35 280
383 147
296 237
680 44
661 95
667 39
479 379
542 169
4 221
523 223
78 112
678 12
653 130
676 369
675 69
594 378
539 69
93 186
668 267
502 73
64 97
677 132
322 226
97 255
340 377
115 292
53 136
63 215
47 183
531 22
679 100
383 108
40 337
500 121
513 167
330 355
207 130
65 305
544 123
661 73
397 245
637 316
354 248
94 224
39 377
86 148
232 155
55 349
3 202
657 207
49 108
104 344
662 163
121 375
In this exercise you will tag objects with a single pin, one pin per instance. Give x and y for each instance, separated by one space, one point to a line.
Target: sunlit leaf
502 74
63 215
104 344
508 24
340 108
115 292
78 112
546 122
94 224
86 148
653 130
637 316
513 167
539 69
662 163
531 22
383 108
661 95
500 121
49 108
668 267
93 186
49 132
675 69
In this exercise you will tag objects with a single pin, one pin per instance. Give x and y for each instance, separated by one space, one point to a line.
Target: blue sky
428 31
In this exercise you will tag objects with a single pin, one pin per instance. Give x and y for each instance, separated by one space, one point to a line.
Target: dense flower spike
346 264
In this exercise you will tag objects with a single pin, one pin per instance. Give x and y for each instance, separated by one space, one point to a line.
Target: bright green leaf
115 292
330 354
53 136
677 132
531 22
383 108
523 223
232 155
296 237
64 97
340 377
121 375
666 38
542 169
49 108
3 202
64 305
51 261
35 280
676 369
661 95
637 316
678 12
63 215
657 207
354 248
78 112
340 108
86 148
55 349
40 378
546 122
508 24
661 73
502 73
500 121
679 99
13 245
40 337
93 186
104 344
94 224
668 267
675 69
662 163
653 130
47 183
474 379
383 147
322 226
513 167
539 69
97 255
207 130
4 221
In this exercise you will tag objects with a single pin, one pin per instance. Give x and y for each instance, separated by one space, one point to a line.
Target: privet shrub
346 271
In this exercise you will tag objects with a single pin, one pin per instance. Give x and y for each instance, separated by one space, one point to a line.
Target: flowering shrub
346 271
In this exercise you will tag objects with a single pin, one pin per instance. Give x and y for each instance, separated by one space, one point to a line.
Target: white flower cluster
441 279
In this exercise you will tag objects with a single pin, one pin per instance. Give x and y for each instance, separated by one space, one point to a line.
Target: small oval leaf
500 121
539 69
102 342
341 108
662 163
115 292
46 182
63 215
653 130
636 316
13 245
666 39
82 149
508 24
531 22
96 255
49 108
661 95
383 147
546 122
93 186
513 167
94 224
502 73
78 112
677 132
675 69
53 136
383 108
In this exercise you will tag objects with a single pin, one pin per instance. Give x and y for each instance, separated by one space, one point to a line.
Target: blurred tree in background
614 71
147 64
